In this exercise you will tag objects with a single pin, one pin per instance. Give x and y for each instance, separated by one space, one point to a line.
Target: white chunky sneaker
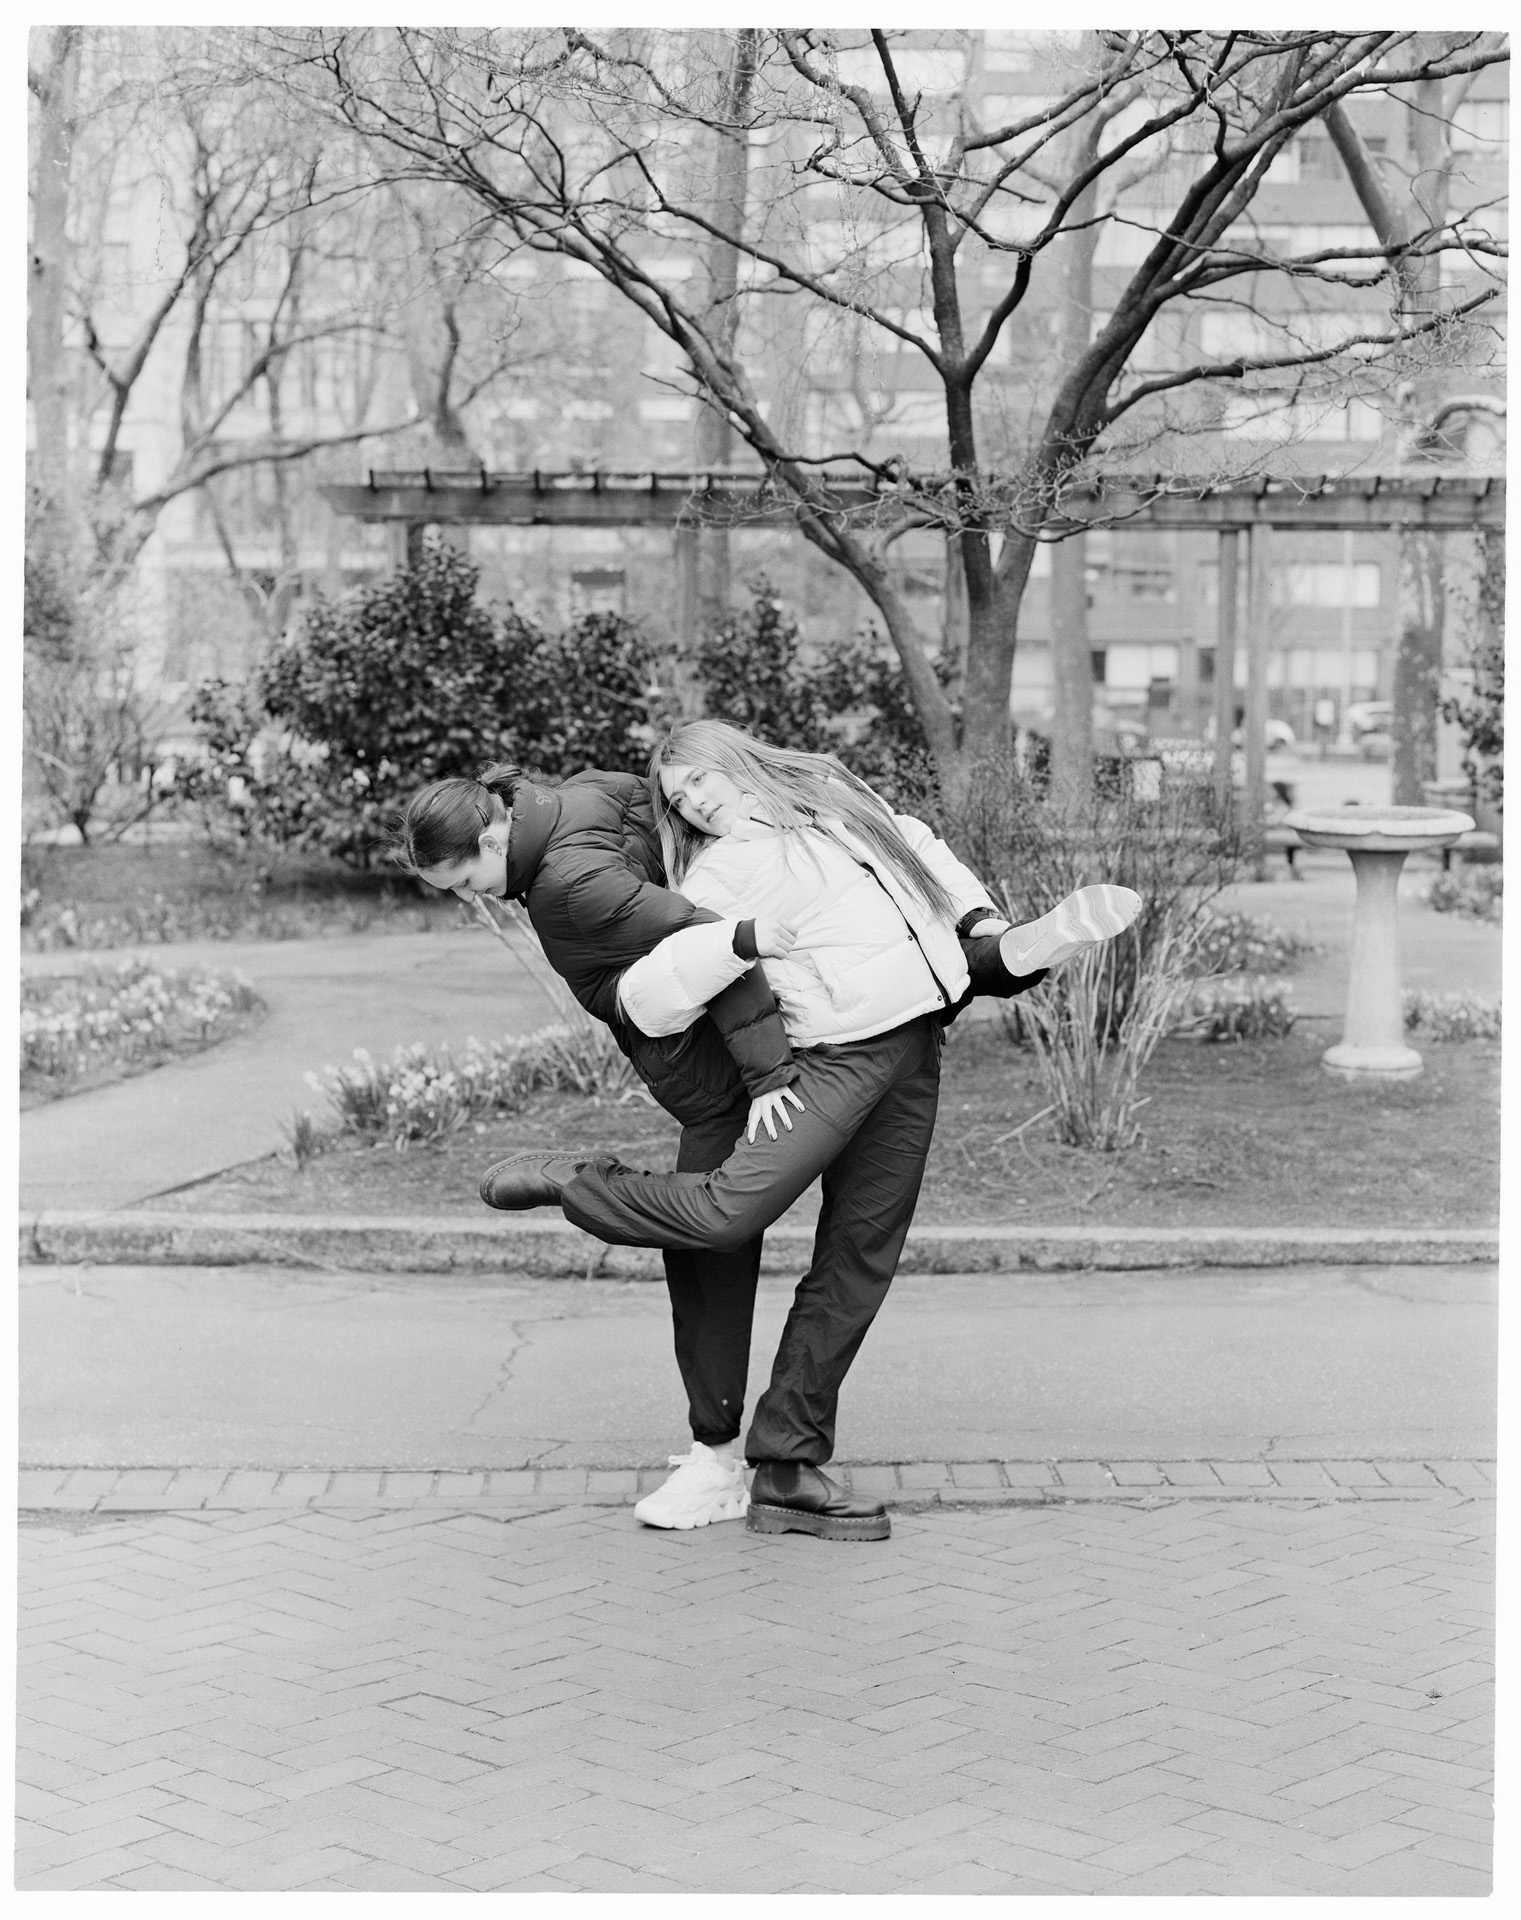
1083 919
702 1489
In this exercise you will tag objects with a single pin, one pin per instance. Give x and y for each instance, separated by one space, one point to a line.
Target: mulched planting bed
1243 1135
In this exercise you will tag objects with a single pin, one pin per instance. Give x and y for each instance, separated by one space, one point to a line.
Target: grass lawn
181 889
1251 1134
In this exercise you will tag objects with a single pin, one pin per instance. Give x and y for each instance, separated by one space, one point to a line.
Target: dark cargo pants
713 1290
867 1121
713 1297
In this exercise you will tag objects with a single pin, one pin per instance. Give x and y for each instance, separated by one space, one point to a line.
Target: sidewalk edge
551 1249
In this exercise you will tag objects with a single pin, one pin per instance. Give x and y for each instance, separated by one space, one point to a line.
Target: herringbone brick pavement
1233 1697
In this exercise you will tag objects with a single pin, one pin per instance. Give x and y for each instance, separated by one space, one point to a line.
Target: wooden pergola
412 500
427 497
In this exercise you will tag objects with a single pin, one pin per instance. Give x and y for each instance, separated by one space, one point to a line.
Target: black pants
867 1121
712 1289
713 1298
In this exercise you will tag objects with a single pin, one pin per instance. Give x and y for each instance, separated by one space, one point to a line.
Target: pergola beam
1312 503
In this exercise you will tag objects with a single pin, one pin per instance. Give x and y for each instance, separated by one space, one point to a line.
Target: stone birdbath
1376 839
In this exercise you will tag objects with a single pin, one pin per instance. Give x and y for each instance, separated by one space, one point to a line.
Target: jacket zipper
945 998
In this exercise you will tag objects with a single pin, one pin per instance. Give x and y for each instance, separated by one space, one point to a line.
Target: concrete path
180 1123
229 1367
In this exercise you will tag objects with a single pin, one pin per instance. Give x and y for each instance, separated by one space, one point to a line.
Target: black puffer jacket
584 860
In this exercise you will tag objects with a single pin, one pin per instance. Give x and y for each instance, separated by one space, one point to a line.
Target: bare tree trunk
1071 668
54 83
1071 649
714 437
1420 605
953 618
714 441
1417 689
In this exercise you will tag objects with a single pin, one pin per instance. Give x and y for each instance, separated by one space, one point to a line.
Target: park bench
1284 840
1476 845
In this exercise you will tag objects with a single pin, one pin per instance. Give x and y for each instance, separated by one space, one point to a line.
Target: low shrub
1095 1023
1177 848
1451 1016
49 928
1474 891
1254 1007
1091 1063
423 1093
1249 943
80 1027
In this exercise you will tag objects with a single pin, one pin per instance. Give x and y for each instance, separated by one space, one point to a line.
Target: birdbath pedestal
1376 840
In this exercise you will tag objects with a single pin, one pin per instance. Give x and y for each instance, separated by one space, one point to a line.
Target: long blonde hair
796 791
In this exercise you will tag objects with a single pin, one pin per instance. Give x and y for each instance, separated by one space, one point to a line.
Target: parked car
1369 716
1277 734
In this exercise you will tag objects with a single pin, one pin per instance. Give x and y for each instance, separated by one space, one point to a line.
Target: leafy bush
1480 717
1249 943
82 1026
756 672
424 1093
595 699
1451 1016
752 674
1252 1008
405 681
1474 891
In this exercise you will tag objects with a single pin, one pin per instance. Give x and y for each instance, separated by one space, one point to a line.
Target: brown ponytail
501 778
442 825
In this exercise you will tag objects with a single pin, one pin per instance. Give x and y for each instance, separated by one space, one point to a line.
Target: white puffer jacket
869 955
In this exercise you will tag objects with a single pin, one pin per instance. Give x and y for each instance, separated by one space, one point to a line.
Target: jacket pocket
844 987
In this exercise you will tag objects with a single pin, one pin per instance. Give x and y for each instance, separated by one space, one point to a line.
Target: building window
596 590
1481 126
1099 658
1327 584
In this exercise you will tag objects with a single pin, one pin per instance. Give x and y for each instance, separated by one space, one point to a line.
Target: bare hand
767 1108
774 939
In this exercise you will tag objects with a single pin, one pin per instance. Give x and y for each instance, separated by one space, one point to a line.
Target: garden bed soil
182 889
1244 1135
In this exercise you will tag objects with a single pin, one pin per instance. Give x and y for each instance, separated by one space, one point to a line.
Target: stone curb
551 1249
910 1486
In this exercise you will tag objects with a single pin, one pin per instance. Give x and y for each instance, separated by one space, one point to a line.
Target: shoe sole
824 1526
511 1206
1079 923
686 1526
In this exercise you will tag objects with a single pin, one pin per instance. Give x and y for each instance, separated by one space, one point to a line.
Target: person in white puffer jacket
860 915
867 953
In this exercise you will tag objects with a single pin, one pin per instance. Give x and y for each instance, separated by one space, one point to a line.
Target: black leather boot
525 1180
790 1496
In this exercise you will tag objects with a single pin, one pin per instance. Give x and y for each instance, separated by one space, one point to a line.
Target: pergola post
686 558
1225 663
406 542
1254 722
1190 718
